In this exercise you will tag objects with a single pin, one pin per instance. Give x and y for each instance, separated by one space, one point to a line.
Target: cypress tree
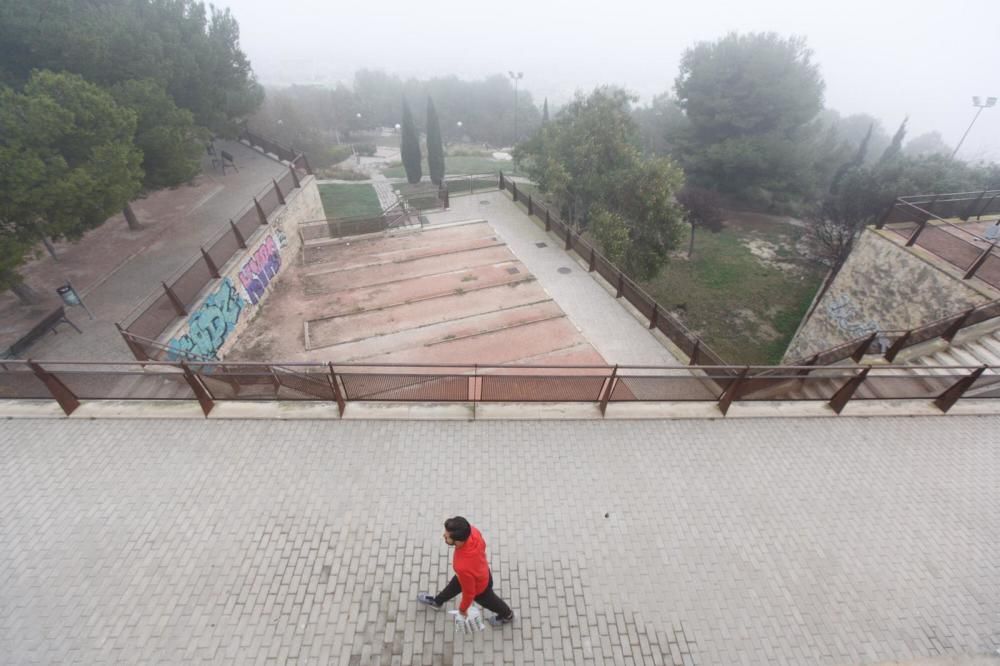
895 147
545 111
435 150
409 147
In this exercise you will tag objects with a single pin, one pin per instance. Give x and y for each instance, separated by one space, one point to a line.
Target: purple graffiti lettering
258 271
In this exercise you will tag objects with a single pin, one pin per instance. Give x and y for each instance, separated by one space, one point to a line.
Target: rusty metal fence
176 295
659 318
208 383
922 221
282 153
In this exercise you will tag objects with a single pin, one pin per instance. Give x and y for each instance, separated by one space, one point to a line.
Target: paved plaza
772 541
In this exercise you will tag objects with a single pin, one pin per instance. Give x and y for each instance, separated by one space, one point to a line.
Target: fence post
239 236
569 238
500 183
959 324
548 220
212 268
972 207
137 350
200 392
443 195
885 216
897 346
655 316
860 350
916 232
341 403
305 160
260 211
694 352
590 265
953 393
531 210
176 302
59 391
727 397
844 393
295 177
281 197
609 389
812 361
513 189
621 284
979 261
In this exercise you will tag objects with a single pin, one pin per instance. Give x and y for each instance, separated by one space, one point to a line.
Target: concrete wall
882 286
228 305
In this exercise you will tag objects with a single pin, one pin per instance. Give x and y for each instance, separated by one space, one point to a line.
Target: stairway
918 371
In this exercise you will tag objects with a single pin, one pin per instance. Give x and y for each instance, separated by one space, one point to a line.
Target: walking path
615 333
664 542
116 268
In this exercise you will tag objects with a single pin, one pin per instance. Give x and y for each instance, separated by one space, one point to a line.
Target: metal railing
396 215
975 255
659 318
889 342
177 294
71 383
283 153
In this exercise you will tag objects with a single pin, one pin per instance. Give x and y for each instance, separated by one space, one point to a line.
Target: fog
890 59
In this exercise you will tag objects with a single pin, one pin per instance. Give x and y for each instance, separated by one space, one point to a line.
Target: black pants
487 599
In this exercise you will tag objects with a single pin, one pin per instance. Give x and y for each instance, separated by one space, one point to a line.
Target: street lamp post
516 77
980 105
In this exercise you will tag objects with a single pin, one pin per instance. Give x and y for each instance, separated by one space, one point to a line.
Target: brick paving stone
752 541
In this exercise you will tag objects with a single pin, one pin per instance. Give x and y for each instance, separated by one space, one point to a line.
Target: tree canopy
409 146
587 160
750 101
435 148
69 162
191 51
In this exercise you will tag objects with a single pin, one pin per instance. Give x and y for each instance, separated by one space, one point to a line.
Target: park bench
48 323
227 160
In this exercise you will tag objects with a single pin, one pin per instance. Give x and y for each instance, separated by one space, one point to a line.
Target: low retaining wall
228 305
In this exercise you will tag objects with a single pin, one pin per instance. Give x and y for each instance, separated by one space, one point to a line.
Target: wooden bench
48 323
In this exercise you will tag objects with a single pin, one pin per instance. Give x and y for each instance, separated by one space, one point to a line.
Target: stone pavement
655 542
195 219
615 333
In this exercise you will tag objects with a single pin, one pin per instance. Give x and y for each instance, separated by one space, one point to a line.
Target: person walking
472 579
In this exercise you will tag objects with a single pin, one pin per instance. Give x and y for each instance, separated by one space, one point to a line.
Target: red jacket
471 568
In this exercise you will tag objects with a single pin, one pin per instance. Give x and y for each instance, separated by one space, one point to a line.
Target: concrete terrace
666 542
481 283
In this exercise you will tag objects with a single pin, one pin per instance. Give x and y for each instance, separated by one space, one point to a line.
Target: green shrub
366 149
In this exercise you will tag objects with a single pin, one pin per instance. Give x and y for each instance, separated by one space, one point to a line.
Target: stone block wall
883 286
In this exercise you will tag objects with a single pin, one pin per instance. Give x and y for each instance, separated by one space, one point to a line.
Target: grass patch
341 200
744 308
466 165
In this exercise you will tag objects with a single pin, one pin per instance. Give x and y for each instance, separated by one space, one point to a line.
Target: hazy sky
890 58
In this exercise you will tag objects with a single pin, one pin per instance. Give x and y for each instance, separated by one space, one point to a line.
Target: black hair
459 528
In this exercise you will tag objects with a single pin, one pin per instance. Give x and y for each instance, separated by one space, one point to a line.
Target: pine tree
409 147
435 151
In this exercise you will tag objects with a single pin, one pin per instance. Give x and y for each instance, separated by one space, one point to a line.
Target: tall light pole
980 105
516 77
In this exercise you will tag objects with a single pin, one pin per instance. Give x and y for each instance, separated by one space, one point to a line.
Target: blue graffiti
209 327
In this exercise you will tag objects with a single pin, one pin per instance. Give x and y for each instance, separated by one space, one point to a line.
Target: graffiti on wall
210 325
848 319
260 269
